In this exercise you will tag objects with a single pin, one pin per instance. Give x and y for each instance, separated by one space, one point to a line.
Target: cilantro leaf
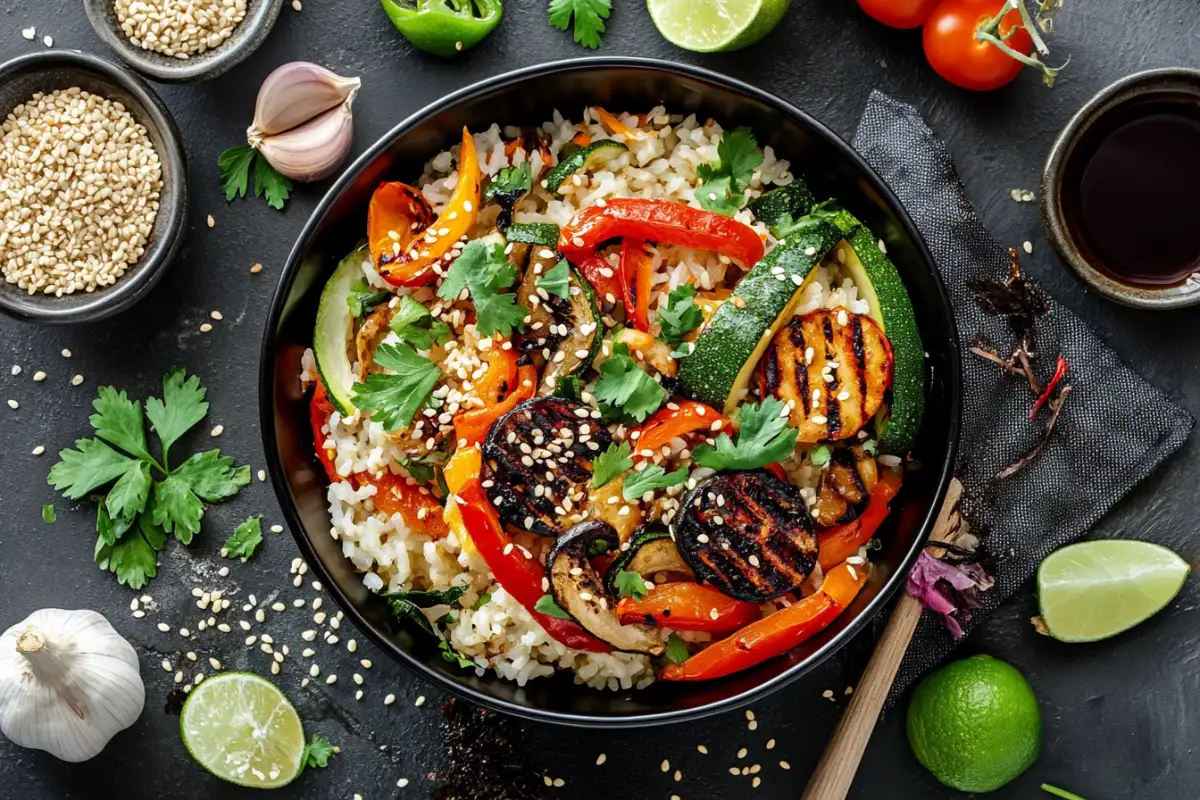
177 508
87 468
363 298
589 18
764 438
724 187
212 476
820 455
317 752
419 470
499 313
128 495
182 406
48 514
557 281
397 397
244 539
414 324
514 181
483 600
630 584
625 388
268 181
677 651
484 271
134 557
611 463
235 166
455 657
108 530
547 605
680 316
649 479
118 421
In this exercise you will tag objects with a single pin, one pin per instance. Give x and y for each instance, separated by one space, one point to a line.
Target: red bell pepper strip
603 278
396 216
472 426
687 606
1060 372
669 423
637 273
773 635
396 495
777 470
319 411
520 576
658 221
835 545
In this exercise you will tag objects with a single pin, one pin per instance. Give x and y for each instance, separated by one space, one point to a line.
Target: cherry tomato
901 14
954 53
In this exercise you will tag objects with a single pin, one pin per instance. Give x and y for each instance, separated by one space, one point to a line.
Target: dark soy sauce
1131 190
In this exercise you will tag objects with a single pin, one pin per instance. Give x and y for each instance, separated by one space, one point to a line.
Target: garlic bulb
68 683
303 124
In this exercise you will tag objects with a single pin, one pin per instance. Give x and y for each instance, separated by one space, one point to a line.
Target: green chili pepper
444 27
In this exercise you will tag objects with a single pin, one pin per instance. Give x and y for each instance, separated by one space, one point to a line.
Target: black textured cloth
1114 428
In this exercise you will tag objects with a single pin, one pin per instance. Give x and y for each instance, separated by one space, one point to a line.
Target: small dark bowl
529 96
251 32
1175 80
63 69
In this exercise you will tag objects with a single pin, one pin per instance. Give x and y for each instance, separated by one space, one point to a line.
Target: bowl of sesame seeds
178 42
93 193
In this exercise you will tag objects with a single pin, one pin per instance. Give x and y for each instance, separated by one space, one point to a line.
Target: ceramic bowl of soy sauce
1119 190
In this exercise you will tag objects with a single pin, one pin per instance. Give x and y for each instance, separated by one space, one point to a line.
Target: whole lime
975 724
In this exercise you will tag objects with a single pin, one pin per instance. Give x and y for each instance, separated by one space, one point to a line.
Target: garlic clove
313 150
295 93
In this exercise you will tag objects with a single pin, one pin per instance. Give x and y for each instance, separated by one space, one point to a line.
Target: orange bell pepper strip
470 427
396 495
414 267
603 278
774 635
396 216
836 544
583 139
612 123
669 423
637 273
319 411
688 606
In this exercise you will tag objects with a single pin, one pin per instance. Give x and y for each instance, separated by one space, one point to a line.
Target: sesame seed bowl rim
245 38
47 71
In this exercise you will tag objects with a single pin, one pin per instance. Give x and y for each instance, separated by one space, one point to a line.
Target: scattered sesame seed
391 698
702 748
217 430
14 405
784 765
600 759
39 376
37 451
827 694
212 223
257 268
48 41
420 701
262 475
66 353
666 765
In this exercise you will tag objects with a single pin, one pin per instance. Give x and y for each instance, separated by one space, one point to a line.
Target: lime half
242 729
1093 590
709 26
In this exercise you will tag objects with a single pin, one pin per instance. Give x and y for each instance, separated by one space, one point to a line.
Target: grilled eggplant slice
845 486
564 333
579 591
835 367
537 462
651 552
747 533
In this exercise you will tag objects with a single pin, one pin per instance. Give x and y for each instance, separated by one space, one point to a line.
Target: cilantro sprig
317 752
237 163
397 396
625 390
145 499
483 270
680 316
244 540
764 438
630 584
650 479
589 18
724 187
611 463
413 323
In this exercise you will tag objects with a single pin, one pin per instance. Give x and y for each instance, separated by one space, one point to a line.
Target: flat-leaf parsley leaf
484 271
764 438
397 396
237 163
677 651
630 584
589 18
651 479
680 316
547 605
557 281
413 323
611 463
244 540
724 188
624 388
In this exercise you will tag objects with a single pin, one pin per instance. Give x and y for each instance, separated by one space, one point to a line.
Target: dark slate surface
1119 716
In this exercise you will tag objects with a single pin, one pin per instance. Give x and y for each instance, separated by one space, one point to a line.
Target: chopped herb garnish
48 514
625 390
236 164
397 396
557 281
589 18
413 324
680 316
455 657
146 499
420 470
317 752
597 547
677 651
246 537
820 455
506 188
547 605
484 271
431 598
483 600
363 298
611 463
725 182
570 388
764 438
630 584
650 479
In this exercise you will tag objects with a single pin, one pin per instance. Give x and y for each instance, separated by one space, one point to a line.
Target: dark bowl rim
173 200
276 471
239 46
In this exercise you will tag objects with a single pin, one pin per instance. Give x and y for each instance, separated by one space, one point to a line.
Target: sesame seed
742 753
39 376
666 765
391 698
600 759
784 765
770 744
217 430
702 748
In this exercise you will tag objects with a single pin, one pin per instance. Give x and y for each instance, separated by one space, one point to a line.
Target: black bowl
528 96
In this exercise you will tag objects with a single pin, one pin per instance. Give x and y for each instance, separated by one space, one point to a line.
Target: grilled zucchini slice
589 157
564 333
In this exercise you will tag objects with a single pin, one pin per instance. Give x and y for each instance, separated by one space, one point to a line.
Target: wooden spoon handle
835 771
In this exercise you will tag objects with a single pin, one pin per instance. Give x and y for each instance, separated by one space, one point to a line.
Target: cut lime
242 729
1093 590
710 26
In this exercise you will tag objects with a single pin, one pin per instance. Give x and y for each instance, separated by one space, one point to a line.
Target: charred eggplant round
747 533
537 462
580 592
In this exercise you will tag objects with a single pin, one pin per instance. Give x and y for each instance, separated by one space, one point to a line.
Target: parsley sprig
396 397
650 479
630 584
146 499
611 463
625 390
317 752
413 323
724 187
764 438
589 18
680 316
237 163
484 271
